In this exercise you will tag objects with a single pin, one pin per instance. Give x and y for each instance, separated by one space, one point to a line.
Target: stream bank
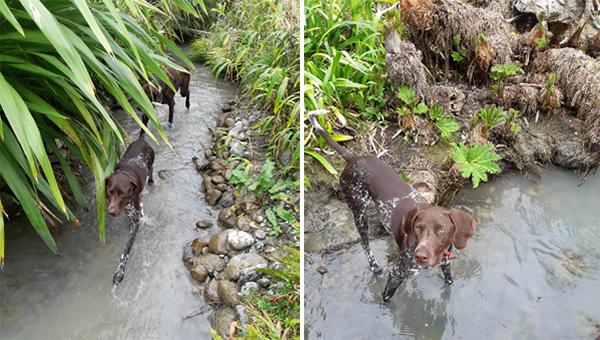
223 266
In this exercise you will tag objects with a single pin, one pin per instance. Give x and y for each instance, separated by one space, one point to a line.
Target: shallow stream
531 271
71 296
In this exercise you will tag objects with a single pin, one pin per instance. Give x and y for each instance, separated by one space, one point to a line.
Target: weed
490 116
458 55
266 189
476 160
542 42
510 125
446 125
501 73
276 314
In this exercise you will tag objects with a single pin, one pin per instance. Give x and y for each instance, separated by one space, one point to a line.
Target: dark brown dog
123 191
181 82
423 232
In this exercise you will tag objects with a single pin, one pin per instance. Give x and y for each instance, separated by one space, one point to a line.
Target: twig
511 20
191 314
529 84
194 31
269 258
380 13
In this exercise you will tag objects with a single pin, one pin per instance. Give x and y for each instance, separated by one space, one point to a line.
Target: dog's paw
170 125
377 269
118 278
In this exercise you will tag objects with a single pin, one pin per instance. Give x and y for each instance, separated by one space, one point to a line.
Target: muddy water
532 271
71 297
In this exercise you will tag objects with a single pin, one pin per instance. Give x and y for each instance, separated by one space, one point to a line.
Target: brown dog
124 192
424 233
165 95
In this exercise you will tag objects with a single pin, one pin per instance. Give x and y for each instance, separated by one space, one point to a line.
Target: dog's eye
442 230
418 229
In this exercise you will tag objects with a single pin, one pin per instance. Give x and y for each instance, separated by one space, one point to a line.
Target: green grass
344 65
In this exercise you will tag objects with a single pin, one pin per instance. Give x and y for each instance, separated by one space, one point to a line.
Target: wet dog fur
423 233
124 192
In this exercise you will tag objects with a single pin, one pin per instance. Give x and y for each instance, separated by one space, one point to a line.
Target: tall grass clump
344 64
256 42
57 60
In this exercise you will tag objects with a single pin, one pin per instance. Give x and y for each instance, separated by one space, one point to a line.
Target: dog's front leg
398 274
447 272
134 220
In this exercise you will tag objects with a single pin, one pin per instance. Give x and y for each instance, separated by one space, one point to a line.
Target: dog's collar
447 256
448 253
122 172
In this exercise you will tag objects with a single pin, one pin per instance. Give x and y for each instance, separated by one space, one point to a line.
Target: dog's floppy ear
465 227
407 225
107 179
134 183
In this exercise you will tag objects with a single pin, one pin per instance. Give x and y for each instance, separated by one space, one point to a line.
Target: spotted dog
124 192
424 233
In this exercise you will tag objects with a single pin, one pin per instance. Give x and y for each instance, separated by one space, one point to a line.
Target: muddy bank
223 266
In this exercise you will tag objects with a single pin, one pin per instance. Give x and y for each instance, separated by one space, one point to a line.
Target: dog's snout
112 210
421 256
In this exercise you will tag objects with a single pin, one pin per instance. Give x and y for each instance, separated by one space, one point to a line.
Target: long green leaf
55 34
18 185
28 134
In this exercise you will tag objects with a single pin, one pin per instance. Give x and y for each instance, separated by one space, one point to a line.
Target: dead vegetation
558 97
578 75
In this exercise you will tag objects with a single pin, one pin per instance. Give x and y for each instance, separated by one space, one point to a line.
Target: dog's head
119 188
434 229
153 92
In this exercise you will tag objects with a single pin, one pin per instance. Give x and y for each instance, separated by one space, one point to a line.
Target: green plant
266 188
436 113
256 42
410 103
510 125
446 125
344 63
476 160
550 86
542 42
490 116
458 55
275 315
58 60
375 101
501 73
408 96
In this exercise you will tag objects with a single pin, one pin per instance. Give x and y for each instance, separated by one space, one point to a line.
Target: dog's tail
340 149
